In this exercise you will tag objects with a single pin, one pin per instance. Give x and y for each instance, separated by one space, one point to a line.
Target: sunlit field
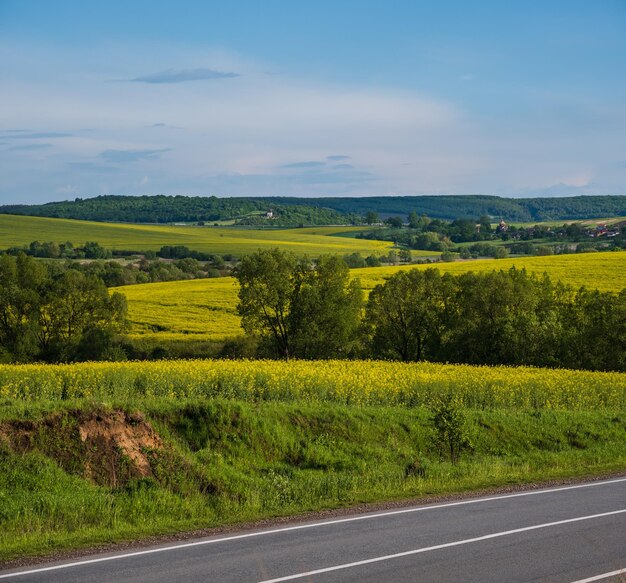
202 309
347 382
583 223
603 271
19 230
205 308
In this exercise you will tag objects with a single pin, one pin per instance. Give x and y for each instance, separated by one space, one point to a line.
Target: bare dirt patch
109 448
120 434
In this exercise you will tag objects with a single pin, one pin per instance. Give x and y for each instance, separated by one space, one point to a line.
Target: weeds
449 424
221 461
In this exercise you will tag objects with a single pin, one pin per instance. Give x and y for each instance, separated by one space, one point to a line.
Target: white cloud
237 136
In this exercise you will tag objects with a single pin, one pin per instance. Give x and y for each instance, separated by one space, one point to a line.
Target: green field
583 222
204 309
94 453
314 241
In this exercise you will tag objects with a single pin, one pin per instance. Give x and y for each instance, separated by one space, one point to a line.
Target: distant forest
293 212
185 209
451 207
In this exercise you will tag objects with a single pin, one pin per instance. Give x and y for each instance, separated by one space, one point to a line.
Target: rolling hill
314 241
292 211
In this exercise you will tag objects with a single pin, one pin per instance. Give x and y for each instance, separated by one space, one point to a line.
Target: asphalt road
561 535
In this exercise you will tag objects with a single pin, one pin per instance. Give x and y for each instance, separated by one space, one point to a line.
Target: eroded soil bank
89 474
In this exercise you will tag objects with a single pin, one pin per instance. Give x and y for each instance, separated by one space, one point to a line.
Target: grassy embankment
204 310
100 452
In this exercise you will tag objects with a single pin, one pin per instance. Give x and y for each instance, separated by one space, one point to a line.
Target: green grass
94 453
21 230
224 462
582 222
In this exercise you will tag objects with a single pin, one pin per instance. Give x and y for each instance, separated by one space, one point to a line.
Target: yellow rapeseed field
604 271
350 382
205 308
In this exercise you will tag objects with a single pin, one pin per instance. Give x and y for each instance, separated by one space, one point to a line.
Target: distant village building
269 214
502 227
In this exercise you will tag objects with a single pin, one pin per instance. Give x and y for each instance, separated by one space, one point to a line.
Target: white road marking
438 547
309 525
600 577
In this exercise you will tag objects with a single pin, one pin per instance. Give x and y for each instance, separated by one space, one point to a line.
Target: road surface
566 534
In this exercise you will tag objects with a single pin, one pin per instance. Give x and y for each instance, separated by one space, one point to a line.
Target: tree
21 278
594 331
354 260
325 314
448 256
485 225
93 250
463 230
394 222
266 281
406 315
371 217
449 424
428 241
392 257
52 315
296 308
77 315
502 317
501 252
418 222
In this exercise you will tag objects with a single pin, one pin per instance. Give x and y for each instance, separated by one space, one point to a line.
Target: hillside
452 207
436 206
292 211
171 209
21 230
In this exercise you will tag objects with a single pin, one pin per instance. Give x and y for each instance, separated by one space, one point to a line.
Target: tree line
296 308
170 263
55 315
93 250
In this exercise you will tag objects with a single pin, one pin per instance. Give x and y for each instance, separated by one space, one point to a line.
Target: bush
449 424
448 256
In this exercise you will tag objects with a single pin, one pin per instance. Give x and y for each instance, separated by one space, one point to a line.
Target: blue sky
311 99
